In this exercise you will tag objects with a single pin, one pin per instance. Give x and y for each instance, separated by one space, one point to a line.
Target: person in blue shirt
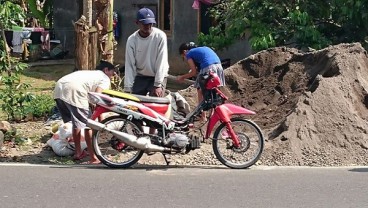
201 60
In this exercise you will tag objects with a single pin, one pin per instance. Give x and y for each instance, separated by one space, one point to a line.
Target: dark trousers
144 85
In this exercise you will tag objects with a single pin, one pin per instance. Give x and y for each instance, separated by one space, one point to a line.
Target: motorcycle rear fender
223 113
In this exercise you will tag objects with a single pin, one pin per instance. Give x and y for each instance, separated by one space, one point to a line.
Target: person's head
107 67
145 20
185 47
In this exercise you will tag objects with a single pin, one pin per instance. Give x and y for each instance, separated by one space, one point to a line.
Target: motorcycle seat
137 98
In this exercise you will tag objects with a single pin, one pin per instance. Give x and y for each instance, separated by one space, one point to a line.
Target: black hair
186 46
105 64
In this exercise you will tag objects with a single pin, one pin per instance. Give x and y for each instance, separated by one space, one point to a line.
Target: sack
61 142
179 105
60 147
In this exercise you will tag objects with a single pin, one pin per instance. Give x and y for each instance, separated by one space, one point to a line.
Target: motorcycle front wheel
251 144
110 150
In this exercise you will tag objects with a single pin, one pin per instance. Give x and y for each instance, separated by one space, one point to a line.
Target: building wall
65 12
185 29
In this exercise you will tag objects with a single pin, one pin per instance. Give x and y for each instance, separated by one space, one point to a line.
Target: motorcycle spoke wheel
251 144
110 150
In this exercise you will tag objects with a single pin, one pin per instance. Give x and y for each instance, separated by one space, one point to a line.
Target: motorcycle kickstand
166 160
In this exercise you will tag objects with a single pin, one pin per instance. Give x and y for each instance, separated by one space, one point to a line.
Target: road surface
159 186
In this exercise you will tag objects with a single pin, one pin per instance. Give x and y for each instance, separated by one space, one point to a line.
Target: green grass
42 79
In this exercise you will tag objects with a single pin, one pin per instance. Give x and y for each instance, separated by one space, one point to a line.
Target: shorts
144 85
78 116
217 68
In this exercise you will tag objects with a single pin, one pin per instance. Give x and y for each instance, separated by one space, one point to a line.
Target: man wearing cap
146 58
71 97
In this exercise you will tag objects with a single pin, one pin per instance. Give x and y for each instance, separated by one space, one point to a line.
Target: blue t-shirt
204 56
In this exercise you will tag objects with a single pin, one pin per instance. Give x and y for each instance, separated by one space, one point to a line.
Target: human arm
130 67
99 89
192 71
162 63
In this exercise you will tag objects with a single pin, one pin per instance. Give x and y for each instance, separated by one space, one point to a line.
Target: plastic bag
61 142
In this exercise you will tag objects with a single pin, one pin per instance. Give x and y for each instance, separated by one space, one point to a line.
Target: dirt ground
311 106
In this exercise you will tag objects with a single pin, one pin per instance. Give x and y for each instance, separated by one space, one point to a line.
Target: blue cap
146 16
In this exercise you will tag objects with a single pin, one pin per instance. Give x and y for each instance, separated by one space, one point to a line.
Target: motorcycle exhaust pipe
142 143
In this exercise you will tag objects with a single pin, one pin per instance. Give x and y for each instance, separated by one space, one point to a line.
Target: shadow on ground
359 170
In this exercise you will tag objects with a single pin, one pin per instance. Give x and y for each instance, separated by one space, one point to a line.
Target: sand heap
312 107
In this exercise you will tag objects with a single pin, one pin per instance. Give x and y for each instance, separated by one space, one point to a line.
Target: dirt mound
312 107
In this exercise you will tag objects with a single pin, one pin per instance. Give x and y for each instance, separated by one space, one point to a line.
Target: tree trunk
6 47
93 49
82 42
104 23
109 46
91 40
87 11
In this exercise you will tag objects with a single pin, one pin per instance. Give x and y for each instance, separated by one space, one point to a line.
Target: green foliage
13 93
300 23
10 14
10 135
40 105
43 14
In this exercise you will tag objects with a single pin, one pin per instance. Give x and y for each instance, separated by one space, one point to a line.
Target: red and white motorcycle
120 141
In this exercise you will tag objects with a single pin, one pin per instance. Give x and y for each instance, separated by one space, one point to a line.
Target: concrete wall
185 29
65 12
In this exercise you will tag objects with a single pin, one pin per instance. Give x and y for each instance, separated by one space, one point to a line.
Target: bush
40 106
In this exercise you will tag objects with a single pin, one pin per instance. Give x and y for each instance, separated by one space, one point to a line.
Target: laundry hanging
196 3
116 25
17 42
45 40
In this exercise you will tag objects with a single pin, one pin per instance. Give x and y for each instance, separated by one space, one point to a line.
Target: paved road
207 187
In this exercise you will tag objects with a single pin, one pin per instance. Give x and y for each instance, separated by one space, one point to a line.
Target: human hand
127 90
157 91
180 78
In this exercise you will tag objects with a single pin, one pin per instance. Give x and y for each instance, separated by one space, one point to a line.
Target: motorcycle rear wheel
113 152
251 147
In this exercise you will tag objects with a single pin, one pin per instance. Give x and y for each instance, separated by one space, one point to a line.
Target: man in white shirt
71 97
146 58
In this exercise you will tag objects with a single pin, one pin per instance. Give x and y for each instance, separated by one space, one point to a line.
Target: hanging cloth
196 3
116 25
17 42
45 39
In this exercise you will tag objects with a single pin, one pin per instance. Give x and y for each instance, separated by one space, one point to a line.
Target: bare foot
92 162
81 156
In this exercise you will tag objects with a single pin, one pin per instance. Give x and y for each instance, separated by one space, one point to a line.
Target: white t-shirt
74 87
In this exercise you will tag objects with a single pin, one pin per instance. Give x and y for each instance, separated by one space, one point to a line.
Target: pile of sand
312 107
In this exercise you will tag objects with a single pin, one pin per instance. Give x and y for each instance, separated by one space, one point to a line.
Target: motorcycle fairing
223 113
159 108
98 111
126 107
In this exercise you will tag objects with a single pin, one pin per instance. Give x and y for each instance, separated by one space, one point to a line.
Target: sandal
81 156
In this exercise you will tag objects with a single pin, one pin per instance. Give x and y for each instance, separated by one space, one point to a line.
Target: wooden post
93 49
104 23
109 46
82 41
87 11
